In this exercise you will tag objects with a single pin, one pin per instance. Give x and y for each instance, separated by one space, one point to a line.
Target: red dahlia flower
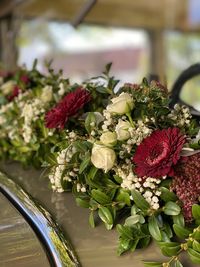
66 108
158 153
186 183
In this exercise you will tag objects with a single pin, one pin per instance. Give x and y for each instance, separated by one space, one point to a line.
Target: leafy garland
123 153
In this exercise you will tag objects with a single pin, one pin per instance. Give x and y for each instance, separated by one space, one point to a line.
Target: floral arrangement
124 154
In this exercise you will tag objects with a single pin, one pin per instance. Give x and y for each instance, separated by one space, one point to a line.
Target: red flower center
158 153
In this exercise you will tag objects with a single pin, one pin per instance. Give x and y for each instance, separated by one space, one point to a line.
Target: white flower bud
108 138
103 157
122 104
122 130
47 94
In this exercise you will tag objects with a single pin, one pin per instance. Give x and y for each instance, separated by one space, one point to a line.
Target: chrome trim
58 248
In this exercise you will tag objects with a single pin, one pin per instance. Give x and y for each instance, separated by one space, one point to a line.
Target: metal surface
19 245
58 249
94 247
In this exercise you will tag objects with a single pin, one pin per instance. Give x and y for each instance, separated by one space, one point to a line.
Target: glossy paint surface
19 245
94 247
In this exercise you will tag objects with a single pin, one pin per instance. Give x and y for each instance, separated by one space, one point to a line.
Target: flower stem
130 119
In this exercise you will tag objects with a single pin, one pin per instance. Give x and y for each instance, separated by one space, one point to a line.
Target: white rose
122 130
108 138
103 157
7 87
121 105
47 94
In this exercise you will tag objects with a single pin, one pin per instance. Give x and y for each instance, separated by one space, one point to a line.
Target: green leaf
123 196
130 221
144 242
194 255
180 231
24 149
168 230
139 200
82 203
124 231
196 235
133 245
170 251
134 210
165 237
92 172
107 68
100 197
154 229
84 163
51 159
167 244
90 119
177 263
196 245
101 89
91 219
118 179
124 245
152 264
171 208
196 211
167 195
105 215
179 219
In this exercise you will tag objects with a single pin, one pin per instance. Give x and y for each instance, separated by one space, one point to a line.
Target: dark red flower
14 94
25 79
158 153
66 108
186 183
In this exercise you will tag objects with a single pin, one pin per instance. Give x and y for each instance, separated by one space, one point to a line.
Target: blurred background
157 38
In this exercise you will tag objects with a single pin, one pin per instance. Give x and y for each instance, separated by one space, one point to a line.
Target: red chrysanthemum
158 153
14 94
186 183
68 107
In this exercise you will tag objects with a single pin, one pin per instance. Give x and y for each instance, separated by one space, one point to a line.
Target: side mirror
186 75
